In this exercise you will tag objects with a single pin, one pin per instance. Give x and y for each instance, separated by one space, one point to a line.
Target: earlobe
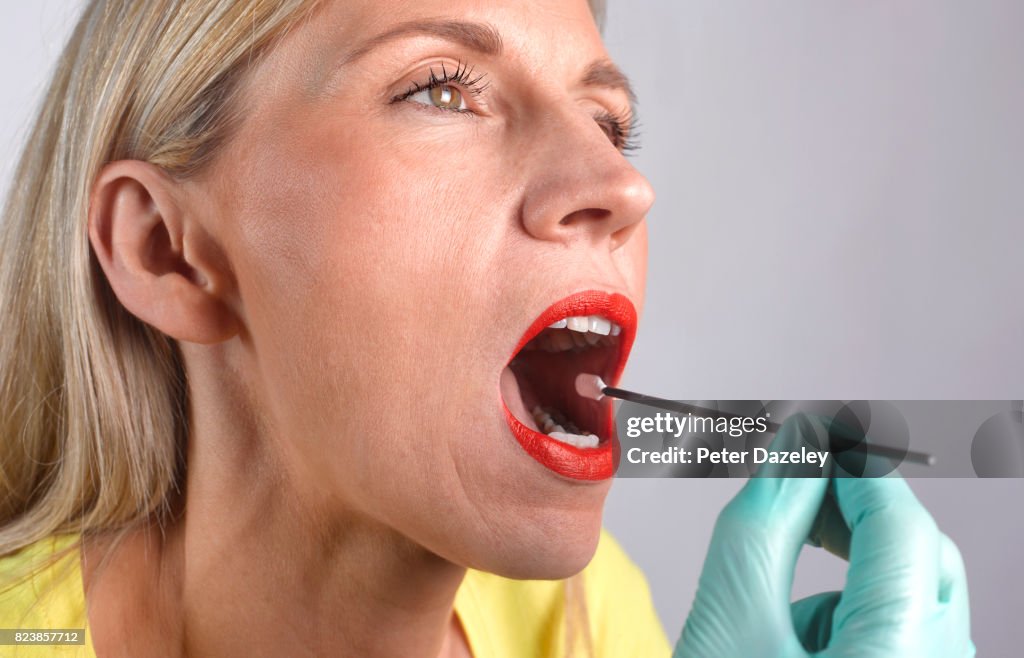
161 262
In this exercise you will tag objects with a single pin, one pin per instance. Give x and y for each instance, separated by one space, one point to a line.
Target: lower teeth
561 429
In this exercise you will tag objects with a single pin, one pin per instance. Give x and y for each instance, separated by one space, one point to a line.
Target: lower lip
591 464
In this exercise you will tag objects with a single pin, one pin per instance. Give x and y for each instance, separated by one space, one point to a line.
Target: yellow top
502 618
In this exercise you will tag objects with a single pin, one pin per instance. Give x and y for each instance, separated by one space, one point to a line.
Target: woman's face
393 244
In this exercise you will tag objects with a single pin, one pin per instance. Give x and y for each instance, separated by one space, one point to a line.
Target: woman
293 289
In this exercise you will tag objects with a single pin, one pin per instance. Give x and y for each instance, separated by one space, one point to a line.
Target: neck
312 579
258 565
326 586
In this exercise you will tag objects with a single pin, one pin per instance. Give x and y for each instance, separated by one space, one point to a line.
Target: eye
447 89
444 97
621 130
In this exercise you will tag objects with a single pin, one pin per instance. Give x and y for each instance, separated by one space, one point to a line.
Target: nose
583 188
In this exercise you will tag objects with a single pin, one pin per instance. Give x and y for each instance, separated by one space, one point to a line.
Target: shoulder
37 579
41 588
504 617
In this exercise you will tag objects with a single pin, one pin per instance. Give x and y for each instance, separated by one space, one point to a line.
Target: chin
552 547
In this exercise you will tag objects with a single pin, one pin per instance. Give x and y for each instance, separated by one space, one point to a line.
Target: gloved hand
906 590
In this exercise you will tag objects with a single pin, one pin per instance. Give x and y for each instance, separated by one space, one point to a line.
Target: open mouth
590 332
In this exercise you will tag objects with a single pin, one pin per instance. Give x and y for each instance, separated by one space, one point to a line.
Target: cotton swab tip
590 386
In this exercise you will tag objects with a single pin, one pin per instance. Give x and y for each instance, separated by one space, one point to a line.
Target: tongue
514 395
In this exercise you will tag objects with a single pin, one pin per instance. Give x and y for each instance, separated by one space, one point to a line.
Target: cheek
363 272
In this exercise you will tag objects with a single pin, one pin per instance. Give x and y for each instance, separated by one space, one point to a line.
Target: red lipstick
589 464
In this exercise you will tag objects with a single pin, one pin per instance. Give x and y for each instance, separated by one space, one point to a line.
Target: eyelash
621 128
462 76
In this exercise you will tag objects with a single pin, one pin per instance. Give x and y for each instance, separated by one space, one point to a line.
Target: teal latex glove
906 590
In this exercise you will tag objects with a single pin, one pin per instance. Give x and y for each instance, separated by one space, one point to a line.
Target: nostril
622 236
587 213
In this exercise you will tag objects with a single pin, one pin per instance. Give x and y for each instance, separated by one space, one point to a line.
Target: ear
161 262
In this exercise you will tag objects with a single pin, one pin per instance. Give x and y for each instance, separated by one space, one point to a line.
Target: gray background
839 216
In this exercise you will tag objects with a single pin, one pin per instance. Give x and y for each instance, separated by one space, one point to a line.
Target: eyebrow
484 38
481 37
604 73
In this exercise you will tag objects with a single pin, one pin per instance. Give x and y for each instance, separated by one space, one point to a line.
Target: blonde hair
92 401
93 408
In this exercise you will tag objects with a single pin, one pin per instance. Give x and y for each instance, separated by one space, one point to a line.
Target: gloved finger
892 581
771 517
953 595
812 619
742 605
830 530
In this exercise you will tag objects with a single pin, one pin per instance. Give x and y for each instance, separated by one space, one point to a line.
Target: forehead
526 19
556 34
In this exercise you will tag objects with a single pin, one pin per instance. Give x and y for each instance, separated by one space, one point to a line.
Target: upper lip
611 305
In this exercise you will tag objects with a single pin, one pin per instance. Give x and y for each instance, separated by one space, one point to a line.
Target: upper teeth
579 323
583 332
584 323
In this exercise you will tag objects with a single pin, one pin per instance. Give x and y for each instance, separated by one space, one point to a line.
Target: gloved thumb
782 500
760 532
